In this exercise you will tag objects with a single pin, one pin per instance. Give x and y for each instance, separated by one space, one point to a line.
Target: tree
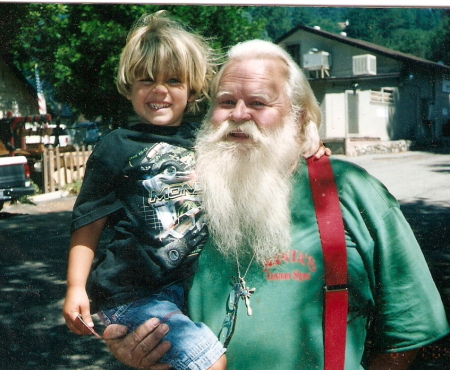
9 25
403 29
440 41
77 46
279 19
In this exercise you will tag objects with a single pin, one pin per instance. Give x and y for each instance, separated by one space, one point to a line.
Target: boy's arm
83 244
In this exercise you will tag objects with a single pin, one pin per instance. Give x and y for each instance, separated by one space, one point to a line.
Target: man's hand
141 349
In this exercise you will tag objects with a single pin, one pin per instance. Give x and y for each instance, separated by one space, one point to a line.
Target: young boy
139 181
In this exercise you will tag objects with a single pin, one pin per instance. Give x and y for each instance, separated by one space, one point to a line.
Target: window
294 52
384 95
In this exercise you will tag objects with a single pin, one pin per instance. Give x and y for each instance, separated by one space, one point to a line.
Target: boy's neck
157 130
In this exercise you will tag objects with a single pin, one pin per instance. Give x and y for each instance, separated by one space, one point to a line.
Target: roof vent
365 64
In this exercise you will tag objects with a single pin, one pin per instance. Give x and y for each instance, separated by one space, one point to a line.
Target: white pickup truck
14 178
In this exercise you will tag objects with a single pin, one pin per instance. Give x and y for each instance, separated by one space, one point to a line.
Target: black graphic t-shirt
142 180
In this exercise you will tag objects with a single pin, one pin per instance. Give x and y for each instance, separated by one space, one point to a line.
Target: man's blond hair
155 44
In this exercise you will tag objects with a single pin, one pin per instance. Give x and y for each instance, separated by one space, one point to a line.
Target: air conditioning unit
316 61
365 64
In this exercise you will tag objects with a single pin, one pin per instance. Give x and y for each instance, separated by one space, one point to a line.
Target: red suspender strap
331 230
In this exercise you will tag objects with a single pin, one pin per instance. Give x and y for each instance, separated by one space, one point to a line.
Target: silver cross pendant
245 293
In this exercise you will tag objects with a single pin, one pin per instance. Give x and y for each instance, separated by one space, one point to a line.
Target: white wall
334 115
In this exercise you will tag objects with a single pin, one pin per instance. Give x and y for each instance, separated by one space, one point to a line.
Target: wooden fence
62 168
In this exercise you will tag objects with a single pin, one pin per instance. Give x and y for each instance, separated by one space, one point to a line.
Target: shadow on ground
439 147
431 226
32 286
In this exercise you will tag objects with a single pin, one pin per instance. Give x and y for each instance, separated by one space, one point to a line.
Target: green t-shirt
390 285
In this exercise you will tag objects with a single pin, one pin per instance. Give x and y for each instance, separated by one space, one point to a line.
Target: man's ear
302 115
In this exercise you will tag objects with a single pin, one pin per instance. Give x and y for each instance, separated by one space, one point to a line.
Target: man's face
252 90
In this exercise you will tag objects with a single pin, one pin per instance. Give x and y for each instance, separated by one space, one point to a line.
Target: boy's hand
77 303
323 150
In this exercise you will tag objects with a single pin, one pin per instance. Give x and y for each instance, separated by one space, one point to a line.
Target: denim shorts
193 345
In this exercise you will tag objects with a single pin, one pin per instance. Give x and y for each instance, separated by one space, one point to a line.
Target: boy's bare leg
220 364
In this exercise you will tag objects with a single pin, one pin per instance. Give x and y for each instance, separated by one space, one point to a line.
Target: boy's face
161 101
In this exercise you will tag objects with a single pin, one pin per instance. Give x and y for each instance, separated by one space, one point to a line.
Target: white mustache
248 128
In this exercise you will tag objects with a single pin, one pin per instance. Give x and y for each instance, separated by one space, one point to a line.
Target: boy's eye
173 81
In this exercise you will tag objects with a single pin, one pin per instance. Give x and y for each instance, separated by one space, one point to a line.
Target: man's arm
392 361
141 349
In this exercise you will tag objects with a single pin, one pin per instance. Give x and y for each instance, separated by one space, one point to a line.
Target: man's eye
227 102
258 104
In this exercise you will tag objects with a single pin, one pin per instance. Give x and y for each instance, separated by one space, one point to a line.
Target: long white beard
246 188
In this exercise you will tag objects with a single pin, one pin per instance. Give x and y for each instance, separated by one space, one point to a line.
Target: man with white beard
266 244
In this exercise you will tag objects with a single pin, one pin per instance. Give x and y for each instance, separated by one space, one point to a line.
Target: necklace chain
248 267
239 291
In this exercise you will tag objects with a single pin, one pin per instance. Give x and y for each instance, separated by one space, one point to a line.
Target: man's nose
240 112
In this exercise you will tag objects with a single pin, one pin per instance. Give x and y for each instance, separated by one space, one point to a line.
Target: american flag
40 92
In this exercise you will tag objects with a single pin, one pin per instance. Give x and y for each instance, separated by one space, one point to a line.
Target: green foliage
74 187
408 30
9 25
282 19
224 25
26 198
440 41
77 46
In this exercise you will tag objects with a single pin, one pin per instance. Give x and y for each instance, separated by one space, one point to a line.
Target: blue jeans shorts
193 345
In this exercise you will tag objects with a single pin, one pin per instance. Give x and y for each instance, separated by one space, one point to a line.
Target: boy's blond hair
156 44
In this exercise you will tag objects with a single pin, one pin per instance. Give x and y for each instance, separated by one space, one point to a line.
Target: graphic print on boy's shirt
166 199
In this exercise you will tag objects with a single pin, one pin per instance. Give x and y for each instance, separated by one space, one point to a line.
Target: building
373 99
17 95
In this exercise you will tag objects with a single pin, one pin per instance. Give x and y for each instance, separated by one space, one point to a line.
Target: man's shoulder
356 183
345 171
342 165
